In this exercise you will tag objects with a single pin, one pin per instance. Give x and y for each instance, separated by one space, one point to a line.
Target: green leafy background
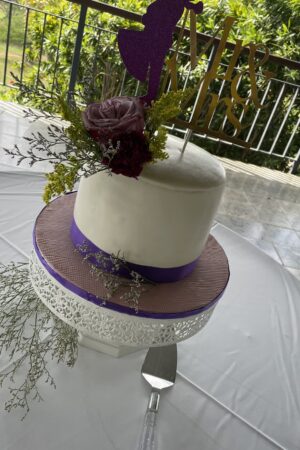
275 23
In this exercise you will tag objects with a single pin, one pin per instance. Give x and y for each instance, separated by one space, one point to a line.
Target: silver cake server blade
159 370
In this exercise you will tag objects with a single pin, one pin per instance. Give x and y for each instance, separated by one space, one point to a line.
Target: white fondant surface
163 218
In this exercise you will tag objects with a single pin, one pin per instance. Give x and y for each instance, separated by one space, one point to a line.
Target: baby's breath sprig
41 148
31 336
135 288
81 156
161 111
107 268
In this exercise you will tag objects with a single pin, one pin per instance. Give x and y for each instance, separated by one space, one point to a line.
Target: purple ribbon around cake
104 261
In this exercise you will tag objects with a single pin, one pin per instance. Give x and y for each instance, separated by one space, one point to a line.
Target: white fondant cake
161 219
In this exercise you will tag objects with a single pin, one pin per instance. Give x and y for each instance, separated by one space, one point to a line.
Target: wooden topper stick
193 39
212 73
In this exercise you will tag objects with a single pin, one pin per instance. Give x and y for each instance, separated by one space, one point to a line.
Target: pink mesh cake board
176 301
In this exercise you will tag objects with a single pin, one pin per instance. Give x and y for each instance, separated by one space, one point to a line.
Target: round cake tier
167 312
163 218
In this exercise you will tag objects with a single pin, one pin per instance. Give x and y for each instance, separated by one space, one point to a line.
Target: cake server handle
148 439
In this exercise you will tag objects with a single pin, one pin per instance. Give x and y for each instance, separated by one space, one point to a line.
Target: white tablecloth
238 380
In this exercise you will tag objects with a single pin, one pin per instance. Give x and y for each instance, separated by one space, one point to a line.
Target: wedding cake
160 220
146 271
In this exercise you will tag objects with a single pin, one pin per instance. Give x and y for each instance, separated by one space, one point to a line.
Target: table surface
238 379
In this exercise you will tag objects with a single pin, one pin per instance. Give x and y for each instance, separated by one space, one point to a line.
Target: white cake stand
167 313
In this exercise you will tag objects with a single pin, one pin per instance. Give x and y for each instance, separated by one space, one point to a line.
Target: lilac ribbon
155 274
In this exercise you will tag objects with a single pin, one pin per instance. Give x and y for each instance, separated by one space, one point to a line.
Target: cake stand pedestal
116 350
167 312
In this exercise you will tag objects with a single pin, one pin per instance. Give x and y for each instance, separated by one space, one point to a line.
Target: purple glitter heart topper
143 52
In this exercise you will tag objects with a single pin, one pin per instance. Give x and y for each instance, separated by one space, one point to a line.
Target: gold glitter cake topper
208 100
144 52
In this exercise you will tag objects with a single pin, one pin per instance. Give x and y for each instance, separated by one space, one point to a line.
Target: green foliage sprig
161 111
61 180
31 335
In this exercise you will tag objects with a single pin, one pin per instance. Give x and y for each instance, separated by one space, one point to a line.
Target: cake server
159 370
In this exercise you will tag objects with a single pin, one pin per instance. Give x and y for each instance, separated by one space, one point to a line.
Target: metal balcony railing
274 130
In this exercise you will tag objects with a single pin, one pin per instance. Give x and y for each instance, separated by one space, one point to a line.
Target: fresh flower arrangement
119 135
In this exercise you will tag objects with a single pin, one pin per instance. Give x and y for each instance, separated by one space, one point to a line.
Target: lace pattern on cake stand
106 325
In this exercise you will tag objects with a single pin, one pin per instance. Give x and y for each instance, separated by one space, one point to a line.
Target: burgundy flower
133 152
117 115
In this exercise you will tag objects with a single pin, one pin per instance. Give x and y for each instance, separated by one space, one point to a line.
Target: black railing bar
57 16
280 155
187 78
284 119
96 53
169 86
292 64
254 149
77 50
219 95
225 118
115 33
220 140
113 10
259 110
11 86
7 44
94 27
296 163
210 61
57 54
283 82
24 45
38 10
224 141
258 74
189 132
99 6
271 117
243 113
261 75
296 128
278 60
41 51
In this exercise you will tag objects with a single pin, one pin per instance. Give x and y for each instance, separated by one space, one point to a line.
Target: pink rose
117 115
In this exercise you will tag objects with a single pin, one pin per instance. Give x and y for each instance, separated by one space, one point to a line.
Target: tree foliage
275 23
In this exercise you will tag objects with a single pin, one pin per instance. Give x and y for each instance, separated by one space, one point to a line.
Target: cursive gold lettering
212 73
